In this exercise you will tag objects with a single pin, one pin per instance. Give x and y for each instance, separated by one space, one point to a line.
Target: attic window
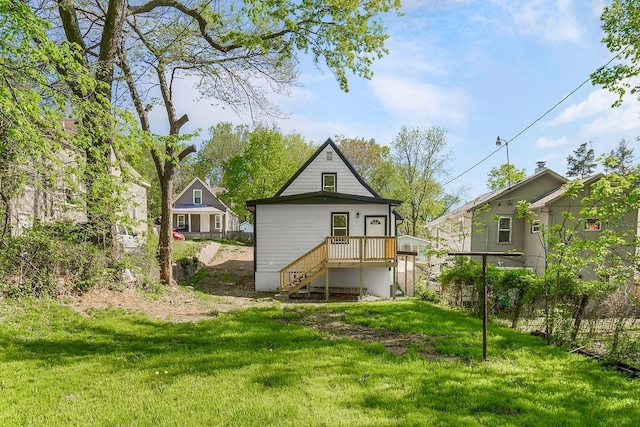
329 182
197 197
329 155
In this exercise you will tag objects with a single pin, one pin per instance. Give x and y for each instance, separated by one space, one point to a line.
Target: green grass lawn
261 367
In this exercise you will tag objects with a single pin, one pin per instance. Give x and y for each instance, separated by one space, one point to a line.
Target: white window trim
217 222
535 226
194 197
335 182
184 221
510 229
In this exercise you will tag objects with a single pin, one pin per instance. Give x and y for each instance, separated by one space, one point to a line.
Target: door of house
375 226
204 223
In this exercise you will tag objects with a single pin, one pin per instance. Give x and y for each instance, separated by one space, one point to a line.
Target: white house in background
57 194
246 227
325 230
413 244
197 212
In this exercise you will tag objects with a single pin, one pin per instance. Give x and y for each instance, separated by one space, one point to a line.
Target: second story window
504 229
329 182
197 197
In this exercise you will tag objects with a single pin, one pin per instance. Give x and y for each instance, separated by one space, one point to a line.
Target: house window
437 242
535 226
218 222
592 224
197 197
339 224
504 229
180 222
329 182
329 155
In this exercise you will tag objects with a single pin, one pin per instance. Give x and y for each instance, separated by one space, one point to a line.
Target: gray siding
207 197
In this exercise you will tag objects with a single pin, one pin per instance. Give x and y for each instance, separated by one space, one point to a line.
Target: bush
52 259
425 293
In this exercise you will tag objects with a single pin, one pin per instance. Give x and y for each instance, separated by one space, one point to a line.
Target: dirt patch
394 342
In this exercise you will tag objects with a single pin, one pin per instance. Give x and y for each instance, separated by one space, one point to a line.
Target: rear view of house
325 230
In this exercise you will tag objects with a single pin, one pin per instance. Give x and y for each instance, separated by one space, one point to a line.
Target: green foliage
424 293
52 259
582 163
620 160
419 159
372 162
268 160
504 176
464 280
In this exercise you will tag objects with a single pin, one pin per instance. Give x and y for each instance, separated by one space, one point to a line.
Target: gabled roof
558 193
419 239
500 193
213 190
320 149
319 197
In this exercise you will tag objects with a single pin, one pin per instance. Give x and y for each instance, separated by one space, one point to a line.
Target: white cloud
597 102
618 121
554 20
414 101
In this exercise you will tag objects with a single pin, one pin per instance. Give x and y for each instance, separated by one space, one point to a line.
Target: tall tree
225 141
267 161
420 159
582 163
236 51
504 175
620 160
370 160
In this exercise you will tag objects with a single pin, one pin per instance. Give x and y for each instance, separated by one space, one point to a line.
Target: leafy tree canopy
582 163
504 175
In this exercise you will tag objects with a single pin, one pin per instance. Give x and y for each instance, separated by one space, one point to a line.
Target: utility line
534 122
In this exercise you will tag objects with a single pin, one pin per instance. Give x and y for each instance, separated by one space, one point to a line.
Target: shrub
424 293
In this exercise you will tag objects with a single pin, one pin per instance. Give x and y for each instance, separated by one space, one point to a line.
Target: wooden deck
339 252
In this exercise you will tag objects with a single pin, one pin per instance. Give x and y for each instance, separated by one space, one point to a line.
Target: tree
371 161
583 164
620 160
236 51
503 176
31 107
267 161
621 36
225 141
419 159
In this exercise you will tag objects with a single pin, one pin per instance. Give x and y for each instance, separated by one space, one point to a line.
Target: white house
325 230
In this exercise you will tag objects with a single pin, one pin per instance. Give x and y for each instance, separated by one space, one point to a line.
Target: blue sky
477 68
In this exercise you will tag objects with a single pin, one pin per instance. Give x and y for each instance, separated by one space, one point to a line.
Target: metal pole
484 307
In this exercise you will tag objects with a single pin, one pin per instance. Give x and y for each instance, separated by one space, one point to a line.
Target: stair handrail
322 246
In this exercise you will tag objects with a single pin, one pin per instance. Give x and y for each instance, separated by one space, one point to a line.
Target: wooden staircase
338 251
304 270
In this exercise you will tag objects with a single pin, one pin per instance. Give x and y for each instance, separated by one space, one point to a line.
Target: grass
261 367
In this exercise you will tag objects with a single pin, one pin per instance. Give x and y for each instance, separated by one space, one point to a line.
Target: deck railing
361 249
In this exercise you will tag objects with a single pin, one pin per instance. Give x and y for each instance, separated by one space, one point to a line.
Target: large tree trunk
166 226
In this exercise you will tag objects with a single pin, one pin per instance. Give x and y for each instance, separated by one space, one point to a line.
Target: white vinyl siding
310 180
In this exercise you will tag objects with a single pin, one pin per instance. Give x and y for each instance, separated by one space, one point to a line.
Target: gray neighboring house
489 222
197 212
57 196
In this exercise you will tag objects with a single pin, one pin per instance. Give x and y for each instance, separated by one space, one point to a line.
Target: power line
535 121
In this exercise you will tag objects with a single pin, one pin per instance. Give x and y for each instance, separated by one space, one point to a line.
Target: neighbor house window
180 220
218 222
592 224
197 197
437 242
339 224
535 226
329 182
504 229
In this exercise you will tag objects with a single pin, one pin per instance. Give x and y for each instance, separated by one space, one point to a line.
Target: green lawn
262 368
